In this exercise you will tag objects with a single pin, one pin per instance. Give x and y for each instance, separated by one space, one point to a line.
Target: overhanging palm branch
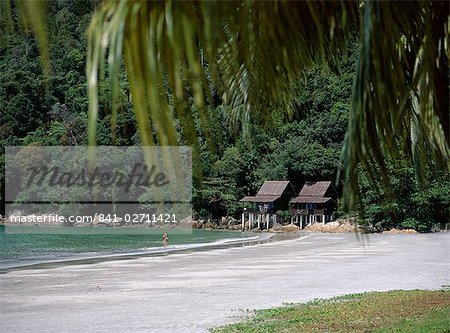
254 51
252 58
401 89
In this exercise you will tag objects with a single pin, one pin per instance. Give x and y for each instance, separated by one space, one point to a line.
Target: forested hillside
302 144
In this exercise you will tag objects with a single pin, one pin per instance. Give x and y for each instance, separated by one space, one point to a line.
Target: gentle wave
215 243
8 265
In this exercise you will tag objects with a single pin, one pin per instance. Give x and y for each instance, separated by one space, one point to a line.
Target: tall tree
255 50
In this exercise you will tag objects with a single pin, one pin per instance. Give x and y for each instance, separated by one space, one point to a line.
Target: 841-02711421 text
140 218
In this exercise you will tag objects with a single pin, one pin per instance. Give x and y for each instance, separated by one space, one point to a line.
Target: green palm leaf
253 51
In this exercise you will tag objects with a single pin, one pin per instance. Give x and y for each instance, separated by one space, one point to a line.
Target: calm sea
23 247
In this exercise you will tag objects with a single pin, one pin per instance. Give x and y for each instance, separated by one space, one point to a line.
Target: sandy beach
191 292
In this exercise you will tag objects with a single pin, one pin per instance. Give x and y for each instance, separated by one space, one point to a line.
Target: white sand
192 292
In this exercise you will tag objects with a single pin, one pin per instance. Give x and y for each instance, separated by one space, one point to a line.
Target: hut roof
273 187
261 198
270 191
315 189
310 199
315 192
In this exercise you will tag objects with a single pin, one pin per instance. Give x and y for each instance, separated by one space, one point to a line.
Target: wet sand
191 292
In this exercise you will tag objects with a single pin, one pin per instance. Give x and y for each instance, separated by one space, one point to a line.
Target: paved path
194 291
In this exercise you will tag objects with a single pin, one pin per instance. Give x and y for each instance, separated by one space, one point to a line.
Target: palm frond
251 56
254 51
33 15
401 88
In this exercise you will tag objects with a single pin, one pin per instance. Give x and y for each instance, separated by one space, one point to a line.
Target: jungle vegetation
351 91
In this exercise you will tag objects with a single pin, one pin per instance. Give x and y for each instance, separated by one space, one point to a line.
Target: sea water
24 246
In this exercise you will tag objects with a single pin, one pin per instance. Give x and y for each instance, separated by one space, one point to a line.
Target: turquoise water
19 247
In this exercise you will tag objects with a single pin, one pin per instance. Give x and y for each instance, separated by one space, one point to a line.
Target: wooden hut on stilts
316 202
273 196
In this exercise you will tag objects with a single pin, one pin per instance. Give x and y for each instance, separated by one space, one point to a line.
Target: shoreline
193 292
257 238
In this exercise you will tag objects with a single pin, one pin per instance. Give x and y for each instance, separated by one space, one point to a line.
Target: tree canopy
260 90
256 50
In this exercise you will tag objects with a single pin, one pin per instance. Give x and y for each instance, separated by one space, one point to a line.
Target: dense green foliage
307 146
52 110
411 204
